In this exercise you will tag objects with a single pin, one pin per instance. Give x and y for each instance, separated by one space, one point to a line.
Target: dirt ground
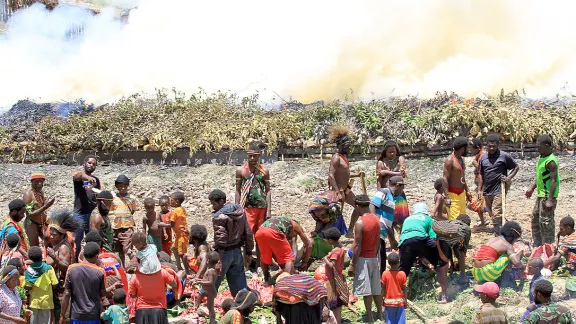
294 184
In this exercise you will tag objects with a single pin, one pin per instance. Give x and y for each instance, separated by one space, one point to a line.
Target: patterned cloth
253 193
492 271
401 209
122 210
543 224
233 316
305 288
455 232
568 250
10 303
550 314
10 227
489 314
281 224
383 200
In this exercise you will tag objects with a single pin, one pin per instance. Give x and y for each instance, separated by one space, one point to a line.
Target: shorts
395 315
446 252
123 240
40 316
156 240
181 244
367 277
457 205
271 242
255 218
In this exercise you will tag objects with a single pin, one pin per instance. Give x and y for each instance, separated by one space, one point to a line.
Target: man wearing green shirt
417 238
547 185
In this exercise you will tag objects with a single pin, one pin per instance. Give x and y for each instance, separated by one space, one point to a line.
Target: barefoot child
439 205
151 222
117 313
179 224
534 268
394 291
208 283
147 255
197 261
336 285
164 203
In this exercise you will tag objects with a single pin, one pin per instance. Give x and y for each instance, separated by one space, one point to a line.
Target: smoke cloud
305 50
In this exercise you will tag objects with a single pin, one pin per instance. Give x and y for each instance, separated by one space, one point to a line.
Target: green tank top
543 176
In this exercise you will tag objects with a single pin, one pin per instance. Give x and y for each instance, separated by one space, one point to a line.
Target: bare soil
294 184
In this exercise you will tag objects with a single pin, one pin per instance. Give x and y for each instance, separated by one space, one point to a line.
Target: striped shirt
121 213
383 200
489 314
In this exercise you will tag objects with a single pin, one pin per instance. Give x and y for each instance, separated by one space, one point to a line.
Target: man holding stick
339 176
494 180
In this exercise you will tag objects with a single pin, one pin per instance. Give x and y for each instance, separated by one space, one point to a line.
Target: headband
57 228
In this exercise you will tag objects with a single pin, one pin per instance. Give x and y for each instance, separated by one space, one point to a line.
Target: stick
416 310
503 188
362 178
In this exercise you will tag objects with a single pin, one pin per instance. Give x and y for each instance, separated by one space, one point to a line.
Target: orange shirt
394 281
178 216
150 289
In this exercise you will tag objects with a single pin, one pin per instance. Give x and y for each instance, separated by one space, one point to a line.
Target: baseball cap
396 180
420 208
489 289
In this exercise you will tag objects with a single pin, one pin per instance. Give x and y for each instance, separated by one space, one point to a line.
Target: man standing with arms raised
548 185
85 197
456 190
339 174
253 191
493 168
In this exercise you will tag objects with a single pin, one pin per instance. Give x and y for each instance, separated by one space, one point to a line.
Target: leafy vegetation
171 120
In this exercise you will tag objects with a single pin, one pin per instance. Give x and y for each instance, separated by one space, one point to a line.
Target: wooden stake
503 188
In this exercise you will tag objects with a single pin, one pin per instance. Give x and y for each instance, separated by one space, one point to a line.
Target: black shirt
492 167
85 282
84 197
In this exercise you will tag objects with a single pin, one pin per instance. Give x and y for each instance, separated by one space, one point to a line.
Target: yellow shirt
41 293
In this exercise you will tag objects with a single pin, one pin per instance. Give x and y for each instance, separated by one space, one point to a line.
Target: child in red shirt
394 291
336 286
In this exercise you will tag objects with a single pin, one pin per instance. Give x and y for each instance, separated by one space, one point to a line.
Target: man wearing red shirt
365 266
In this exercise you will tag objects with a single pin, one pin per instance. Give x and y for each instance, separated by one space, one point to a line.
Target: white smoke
307 50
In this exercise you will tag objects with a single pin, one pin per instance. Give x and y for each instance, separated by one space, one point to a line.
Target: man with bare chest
456 191
339 174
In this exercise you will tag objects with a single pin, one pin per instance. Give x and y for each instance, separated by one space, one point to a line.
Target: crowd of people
91 264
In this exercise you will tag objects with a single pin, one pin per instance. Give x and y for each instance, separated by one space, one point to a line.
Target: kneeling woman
277 237
493 258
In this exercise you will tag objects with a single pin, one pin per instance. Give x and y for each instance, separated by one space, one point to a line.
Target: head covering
122 179
38 175
397 180
420 208
63 220
245 299
105 195
7 273
489 289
